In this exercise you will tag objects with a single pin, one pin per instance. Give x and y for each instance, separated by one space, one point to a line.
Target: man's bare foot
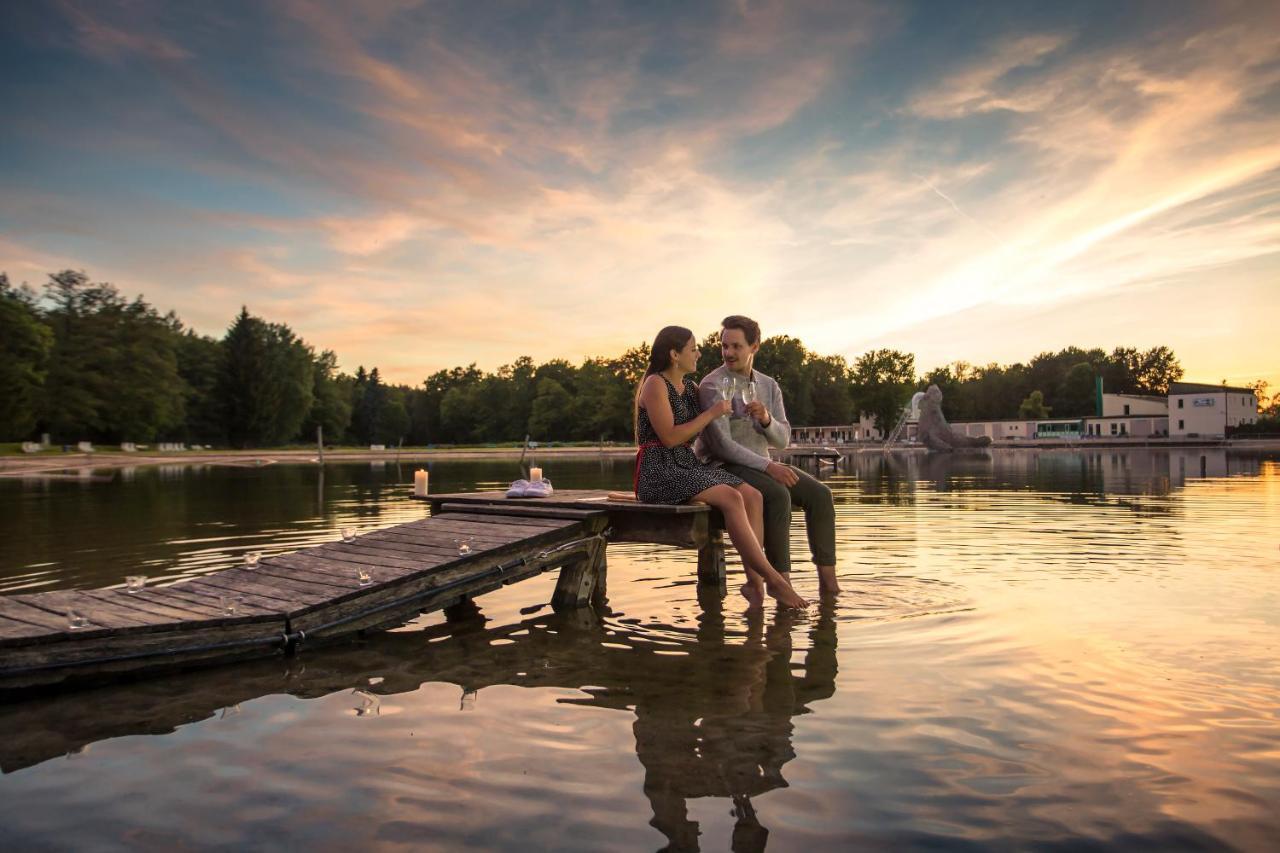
827 583
754 594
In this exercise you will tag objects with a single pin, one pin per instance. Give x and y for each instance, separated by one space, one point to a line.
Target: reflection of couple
731 734
730 467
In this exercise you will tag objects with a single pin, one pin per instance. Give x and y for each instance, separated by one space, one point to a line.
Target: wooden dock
316 593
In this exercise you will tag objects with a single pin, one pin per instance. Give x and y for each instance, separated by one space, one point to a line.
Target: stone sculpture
935 433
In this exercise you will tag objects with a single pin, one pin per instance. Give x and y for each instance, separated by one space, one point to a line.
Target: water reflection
1054 649
713 710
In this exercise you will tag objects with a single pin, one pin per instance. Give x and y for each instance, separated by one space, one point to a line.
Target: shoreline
51 464
60 464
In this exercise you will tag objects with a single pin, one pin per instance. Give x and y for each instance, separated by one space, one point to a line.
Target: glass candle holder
76 619
134 583
251 559
363 576
230 604
348 534
464 545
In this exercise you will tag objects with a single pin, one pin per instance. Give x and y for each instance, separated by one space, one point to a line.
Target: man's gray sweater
740 440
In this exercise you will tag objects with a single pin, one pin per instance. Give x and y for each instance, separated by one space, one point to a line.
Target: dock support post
711 570
578 577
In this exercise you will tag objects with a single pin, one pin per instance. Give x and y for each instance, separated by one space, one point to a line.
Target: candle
535 474
420 483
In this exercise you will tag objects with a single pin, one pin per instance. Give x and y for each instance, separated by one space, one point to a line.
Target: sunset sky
417 185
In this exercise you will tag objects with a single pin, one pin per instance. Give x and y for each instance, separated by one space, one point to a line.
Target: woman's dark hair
670 338
750 328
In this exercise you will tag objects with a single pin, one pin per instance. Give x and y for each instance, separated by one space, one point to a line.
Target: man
741 444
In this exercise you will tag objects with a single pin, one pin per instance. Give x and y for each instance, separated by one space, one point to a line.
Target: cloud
976 87
106 41
426 185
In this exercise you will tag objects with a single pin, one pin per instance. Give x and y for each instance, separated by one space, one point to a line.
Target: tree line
80 361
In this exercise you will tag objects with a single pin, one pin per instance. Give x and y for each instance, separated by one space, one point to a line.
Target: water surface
1034 650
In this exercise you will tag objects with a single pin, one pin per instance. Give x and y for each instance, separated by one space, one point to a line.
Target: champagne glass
727 386
749 393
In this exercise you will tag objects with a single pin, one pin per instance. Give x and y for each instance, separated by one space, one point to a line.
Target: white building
863 430
1117 405
1209 411
1127 426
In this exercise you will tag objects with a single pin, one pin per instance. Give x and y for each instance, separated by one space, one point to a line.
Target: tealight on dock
376 581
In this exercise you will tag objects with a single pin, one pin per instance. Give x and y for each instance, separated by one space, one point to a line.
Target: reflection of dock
713 712
370 582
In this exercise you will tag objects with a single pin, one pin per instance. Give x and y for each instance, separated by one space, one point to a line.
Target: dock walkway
317 593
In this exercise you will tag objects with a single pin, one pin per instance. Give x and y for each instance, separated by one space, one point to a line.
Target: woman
667 421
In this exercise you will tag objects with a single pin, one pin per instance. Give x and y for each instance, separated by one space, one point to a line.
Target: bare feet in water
827 584
788 597
754 594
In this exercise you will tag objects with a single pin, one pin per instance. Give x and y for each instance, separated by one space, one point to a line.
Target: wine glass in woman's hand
726 387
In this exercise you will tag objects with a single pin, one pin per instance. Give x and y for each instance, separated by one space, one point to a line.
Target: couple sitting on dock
698 443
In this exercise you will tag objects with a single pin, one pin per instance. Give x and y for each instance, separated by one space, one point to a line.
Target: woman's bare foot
827 583
753 593
787 597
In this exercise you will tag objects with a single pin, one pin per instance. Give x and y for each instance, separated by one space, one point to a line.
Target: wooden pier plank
346 568
12 629
153 609
208 599
371 555
103 612
19 609
269 591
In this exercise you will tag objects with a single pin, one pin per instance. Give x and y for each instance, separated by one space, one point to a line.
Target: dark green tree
783 357
827 378
113 370
552 417
882 383
331 401
25 343
265 385
1077 395
1156 368
393 419
199 367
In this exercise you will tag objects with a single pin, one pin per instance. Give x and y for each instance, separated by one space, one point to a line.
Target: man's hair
746 325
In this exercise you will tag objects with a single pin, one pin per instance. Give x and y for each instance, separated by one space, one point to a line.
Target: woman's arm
653 396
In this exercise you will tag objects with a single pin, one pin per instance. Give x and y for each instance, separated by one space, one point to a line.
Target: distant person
667 420
741 445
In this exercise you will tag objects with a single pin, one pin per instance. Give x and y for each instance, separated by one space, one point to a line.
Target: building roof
1204 388
1136 417
1152 397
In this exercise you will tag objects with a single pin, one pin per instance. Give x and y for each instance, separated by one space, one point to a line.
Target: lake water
1034 649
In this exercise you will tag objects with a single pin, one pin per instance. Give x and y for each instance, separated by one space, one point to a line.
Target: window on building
1182 424
1126 408
1124 429
1113 429
1180 402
